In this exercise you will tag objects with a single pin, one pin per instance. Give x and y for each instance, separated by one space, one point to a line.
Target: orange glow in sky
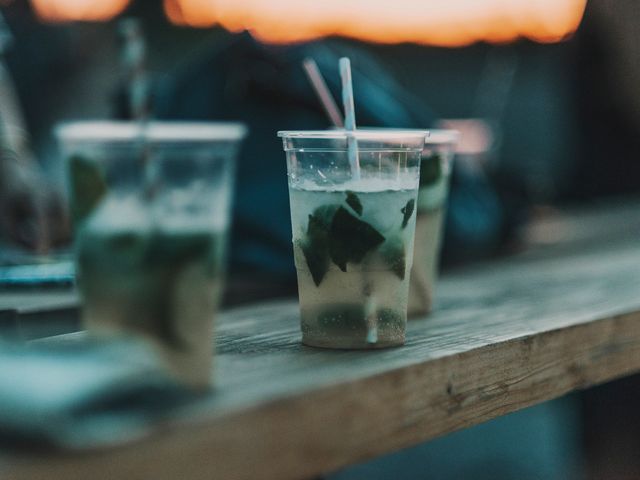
81 10
431 22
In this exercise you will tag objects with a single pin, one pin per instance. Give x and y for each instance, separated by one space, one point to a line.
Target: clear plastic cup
152 210
438 153
353 237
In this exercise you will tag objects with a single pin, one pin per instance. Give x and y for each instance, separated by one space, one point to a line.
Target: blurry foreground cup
435 170
353 233
151 206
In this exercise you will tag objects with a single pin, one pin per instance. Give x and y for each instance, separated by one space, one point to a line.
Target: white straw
320 87
370 306
349 116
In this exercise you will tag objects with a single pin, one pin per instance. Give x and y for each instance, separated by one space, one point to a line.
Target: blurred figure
266 88
31 213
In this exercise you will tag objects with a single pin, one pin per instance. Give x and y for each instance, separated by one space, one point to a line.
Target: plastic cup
353 234
435 171
152 212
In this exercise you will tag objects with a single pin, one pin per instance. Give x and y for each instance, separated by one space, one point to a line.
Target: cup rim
381 134
156 131
172 131
436 136
442 136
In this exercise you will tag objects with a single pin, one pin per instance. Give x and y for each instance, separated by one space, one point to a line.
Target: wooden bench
506 335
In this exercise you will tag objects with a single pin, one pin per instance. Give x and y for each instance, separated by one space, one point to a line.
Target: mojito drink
431 205
353 206
353 252
151 207
424 273
158 280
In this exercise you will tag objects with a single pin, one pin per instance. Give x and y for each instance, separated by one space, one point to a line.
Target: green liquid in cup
353 252
432 198
162 282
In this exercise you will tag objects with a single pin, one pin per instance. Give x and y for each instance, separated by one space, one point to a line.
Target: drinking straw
134 67
320 87
370 305
349 116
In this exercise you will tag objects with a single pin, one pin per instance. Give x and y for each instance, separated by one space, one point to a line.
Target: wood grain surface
504 336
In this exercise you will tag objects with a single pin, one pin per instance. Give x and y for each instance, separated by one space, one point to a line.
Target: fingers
32 214
21 221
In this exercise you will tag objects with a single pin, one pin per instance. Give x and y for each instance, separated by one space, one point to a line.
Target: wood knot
449 388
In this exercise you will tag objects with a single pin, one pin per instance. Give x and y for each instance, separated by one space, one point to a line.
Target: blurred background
551 83
544 92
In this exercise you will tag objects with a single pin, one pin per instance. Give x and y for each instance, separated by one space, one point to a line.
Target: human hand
32 213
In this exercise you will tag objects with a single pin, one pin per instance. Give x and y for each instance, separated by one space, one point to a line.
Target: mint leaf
407 210
350 239
87 186
394 255
430 169
354 202
316 245
317 261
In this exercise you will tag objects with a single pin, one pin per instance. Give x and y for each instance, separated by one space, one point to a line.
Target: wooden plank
505 336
